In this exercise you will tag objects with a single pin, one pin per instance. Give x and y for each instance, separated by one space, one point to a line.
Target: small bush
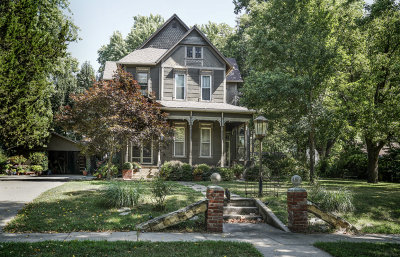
127 166
238 169
340 200
351 162
226 174
171 170
251 173
37 169
160 189
39 158
202 170
187 172
123 194
17 160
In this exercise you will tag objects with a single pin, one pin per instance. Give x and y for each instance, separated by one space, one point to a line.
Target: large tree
33 35
118 47
85 76
370 88
111 113
291 53
219 34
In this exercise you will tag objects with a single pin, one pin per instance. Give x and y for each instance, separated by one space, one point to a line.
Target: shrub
17 160
39 158
187 172
226 173
160 189
127 166
251 173
171 170
340 200
389 166
351 162
136 165
37 169
120 194
202 170
238 169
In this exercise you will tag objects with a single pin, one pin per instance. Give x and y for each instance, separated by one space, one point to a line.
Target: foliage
351 162
202 169
345 249
218 34
112 112
127 166
173 170
238 169
39 158
226 173
136 165
389 167
17 159
160 189
85 76
187 172
118 47
252 173
37 169
340 200
33 36
123 194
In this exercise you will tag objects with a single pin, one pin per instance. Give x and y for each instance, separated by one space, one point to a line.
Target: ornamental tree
111 113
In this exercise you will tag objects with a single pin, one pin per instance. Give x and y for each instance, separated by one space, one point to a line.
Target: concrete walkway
14 194
199 188
268 240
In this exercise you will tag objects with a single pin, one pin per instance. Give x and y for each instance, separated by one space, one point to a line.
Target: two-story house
197 86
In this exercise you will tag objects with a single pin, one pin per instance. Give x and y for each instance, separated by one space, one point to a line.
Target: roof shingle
234 75
145 56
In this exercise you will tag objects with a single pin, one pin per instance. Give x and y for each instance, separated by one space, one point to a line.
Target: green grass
376 205
81 206
348 249
124 248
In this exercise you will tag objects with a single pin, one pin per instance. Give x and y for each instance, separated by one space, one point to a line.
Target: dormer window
194 52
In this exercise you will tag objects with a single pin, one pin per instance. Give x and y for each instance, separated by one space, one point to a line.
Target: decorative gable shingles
168 36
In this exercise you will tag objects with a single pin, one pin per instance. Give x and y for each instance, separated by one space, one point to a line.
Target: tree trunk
312 153
373 150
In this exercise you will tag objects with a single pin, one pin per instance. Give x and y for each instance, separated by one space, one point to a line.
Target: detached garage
64 155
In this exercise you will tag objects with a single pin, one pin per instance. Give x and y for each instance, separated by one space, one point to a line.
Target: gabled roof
194 28
234 75
109 70
146 56
173 17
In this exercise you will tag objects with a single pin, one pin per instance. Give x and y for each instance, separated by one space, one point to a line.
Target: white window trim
184 142
147 76
201 143
184 86
194 52
201 88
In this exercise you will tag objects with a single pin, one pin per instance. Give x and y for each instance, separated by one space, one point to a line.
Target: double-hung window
206 87
142 79
194 52
205 142
180 86
179 141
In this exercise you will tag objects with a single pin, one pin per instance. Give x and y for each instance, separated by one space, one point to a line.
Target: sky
98 19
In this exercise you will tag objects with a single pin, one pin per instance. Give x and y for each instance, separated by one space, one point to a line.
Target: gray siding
231 92
177 58
210 59
155 81
218 86
193 85
194 38
168 84
168 36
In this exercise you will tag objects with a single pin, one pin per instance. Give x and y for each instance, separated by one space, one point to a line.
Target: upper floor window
206 87
180 85
194 52
142 79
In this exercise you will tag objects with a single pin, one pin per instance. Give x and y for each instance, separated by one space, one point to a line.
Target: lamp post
260 125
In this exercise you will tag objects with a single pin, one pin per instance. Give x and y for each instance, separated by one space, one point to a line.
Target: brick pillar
297 209
215 209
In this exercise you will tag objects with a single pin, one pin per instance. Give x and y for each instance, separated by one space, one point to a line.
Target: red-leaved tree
111 113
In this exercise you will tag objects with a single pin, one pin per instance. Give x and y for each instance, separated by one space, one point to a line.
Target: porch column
159 154
190 141
222 141
127 153
247 142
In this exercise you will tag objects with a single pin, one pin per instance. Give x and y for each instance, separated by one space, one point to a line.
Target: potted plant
37 169
84 172
197 174
127 172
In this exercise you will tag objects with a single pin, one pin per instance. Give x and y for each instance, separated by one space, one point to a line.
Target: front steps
146 173
243 209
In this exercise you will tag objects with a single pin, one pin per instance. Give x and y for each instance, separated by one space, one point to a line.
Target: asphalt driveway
14 194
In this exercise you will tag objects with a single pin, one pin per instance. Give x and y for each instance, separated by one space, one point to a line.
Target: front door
143 154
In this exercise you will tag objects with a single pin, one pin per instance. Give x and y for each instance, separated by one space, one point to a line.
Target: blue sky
97 19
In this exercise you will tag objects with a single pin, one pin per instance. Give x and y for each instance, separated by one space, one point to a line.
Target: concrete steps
146 173
241 209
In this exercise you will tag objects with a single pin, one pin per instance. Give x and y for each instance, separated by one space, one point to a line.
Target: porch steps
146 173
243 209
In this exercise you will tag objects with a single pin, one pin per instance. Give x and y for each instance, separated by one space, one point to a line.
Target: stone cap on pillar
296 189
215 188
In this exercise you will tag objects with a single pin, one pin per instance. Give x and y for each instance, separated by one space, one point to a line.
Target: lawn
348 249
80 206
376 205
124 248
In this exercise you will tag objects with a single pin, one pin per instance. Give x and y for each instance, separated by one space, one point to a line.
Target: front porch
213 138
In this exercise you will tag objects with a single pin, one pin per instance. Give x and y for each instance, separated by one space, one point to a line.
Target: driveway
15 193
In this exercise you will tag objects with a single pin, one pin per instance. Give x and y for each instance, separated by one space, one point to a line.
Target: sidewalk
268 240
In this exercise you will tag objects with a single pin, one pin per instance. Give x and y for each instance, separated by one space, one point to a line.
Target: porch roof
203 106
